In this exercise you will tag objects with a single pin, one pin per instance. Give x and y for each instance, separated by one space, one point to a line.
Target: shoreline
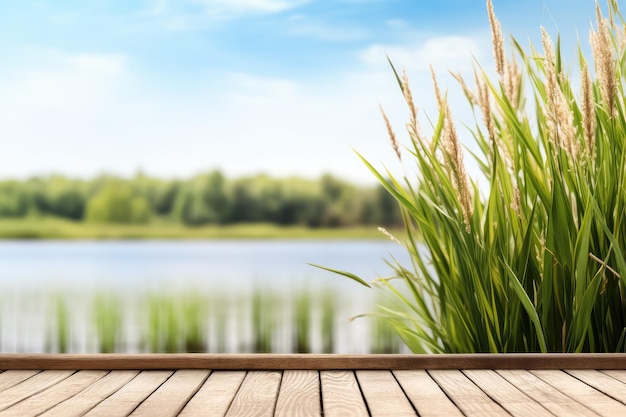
31 229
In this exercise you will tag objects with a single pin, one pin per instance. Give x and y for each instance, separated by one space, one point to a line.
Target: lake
32 270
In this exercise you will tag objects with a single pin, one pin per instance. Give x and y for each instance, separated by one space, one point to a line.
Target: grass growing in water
536 260
59 331
107 316
263 321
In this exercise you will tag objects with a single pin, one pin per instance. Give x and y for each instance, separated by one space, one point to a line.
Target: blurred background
168 168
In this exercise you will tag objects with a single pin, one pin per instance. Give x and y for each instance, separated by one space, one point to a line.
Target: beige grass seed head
604 60
454 159
392 135
588 111
497 39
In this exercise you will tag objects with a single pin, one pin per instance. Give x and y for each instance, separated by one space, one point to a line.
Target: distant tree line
208 198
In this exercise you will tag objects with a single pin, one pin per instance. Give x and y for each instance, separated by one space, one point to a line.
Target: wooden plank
14 377
508 396
172 396
619 375
125 400
470 399
602 382
383 395
582 392
548 396
427 397
313 361
92 395
341 395
257 395
299 395
216 394
47 399
31 386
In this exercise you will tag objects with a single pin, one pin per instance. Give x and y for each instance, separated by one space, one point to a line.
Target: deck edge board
603 361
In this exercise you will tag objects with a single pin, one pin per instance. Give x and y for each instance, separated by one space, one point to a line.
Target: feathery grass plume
438 96
552 91
620 32
560 118
588 111
483 93
485 105
454 158
521 278
549 64
565 126
604 60
414 129
511 81
516 203
388 234
497 39
469 94
392 136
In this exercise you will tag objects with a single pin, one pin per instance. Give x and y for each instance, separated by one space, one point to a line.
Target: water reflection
217 296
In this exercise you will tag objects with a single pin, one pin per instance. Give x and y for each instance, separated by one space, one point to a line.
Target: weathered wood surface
606 361
442 391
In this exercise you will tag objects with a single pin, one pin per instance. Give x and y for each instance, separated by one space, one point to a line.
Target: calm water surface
32 272
215 264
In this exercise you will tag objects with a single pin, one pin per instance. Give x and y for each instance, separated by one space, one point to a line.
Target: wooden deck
313 385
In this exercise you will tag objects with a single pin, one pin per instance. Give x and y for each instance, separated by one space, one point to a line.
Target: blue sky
286 87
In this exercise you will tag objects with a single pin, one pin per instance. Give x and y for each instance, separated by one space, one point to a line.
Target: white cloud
444 51
89 113
100 63
255 6
303 26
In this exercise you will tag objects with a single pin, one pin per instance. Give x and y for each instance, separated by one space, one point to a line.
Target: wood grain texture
10 378
52 396
582 393
341 395
602 382
31 386
470 399
383 395
427 397
91 396
312 361
619 375
215 395
257 395
127 398
509 397
299 395
171 397
548 396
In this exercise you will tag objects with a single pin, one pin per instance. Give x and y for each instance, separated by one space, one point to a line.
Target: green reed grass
262 321
535 260
384 339
59 328
302 322
328 313
107 318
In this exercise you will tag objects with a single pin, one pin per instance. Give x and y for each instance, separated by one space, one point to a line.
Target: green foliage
535 261
206 199
264 321
115 203
302 322
107 317
59 331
